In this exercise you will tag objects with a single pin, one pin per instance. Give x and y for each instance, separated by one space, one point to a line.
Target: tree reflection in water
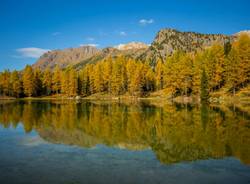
174 132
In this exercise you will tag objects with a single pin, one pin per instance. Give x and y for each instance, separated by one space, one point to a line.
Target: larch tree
233 71
135 80
16 84
91 79
64 82
47 81
73 83
172 80
98 77
131 75
29 85
237 64
107 72
242 47
159 72
5 82
196 73
149 78
38 75
204 94
183 73
85 81
227 48
118 80
214 61
56 80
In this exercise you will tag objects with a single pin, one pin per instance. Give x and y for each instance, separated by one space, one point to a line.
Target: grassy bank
221 97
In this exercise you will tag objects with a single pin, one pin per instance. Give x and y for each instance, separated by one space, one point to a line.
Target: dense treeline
219 67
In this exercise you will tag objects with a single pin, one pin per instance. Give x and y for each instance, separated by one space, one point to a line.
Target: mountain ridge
166 42
65 57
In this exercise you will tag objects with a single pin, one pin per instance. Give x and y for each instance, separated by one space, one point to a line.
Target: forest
220 67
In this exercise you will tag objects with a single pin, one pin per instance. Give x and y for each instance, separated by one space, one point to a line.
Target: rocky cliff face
65 57
169 40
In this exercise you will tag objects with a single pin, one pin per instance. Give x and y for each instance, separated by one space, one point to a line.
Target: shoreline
159 99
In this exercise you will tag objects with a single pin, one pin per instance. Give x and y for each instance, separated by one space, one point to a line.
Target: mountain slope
127 51
65 57
169 40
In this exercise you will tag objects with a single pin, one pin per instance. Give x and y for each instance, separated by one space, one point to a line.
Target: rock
77 97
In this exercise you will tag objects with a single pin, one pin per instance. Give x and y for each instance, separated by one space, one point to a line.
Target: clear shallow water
55 142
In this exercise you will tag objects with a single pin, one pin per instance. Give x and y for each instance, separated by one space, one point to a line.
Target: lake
71 142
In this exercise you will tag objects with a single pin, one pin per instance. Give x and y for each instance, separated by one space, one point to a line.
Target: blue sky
30 27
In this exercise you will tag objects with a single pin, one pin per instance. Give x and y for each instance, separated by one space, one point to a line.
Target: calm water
94 142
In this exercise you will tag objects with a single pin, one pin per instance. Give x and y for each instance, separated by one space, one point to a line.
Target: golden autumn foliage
29 85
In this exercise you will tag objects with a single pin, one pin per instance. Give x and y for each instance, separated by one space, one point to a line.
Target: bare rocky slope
65 57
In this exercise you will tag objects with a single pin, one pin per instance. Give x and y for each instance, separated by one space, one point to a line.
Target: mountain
132 45
169 40
243 32
130 50
78 57
165 43
65 57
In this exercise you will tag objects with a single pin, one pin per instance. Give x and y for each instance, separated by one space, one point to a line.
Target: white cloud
56 33
145 22
90 39
31 52
90 44
122 33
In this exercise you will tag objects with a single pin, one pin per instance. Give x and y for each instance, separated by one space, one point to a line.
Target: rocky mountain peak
169 40
132 45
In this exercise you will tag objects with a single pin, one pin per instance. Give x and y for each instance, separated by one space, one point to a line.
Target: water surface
109 142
